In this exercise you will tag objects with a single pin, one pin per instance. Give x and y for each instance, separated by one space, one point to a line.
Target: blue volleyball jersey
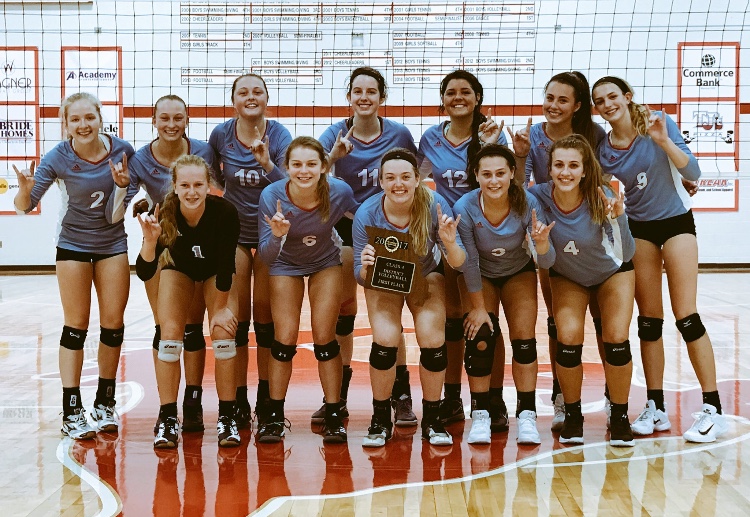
653 185
371 213
88 221
242 176
156 178
311 244
360 168
537 162
585 252
496 251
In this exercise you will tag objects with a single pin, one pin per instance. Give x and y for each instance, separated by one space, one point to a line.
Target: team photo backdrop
685 57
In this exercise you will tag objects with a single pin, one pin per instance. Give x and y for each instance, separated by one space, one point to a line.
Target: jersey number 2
98 198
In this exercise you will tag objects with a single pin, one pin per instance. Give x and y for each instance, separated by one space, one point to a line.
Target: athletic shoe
378 433
402 409
572 430
192 419
708 426
620 433
480 427
651 419
608 411
499 418
77 425
243 416
226 429
106 418
167 433
436 433
319 416
527 431
452 410
559 407
272 432
334 431
262 411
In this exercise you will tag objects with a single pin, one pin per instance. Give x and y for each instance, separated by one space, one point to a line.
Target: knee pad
568 356
282 352
112 337
169 351
434 359
551 328
383 357
598 326
224 349
193 338
327 352
650 329
263 334
478 363
454 329
157 337
345 325
618 354
524 350
691 328
241 337
73 339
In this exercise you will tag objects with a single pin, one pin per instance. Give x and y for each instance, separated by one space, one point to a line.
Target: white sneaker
77 426
559 419
527 431
106 418
651 419
708 426
480 427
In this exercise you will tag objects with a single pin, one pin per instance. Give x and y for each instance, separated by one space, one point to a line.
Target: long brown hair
638 113
420 220
322 189
582 122
477 116
592 179
516 195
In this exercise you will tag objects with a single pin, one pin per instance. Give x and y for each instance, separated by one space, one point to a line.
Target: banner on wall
94 71
19 77
9 188
717 195
19 131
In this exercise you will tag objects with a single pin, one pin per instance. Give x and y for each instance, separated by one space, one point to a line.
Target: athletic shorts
500 281
344 229
249 246
661 231
440 269
626 266
82 256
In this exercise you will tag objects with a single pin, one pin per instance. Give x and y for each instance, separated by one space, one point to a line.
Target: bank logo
708 60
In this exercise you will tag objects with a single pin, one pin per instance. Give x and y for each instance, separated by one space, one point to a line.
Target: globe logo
708 60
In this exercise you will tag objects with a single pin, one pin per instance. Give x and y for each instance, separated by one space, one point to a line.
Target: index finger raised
350 132
278 205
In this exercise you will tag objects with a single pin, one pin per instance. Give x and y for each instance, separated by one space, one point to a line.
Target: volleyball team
300 208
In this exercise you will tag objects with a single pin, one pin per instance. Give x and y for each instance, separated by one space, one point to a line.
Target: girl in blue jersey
150 168
356 146
297 239
647 153
407 205
193 239
593 252
495 220
91 248
250 150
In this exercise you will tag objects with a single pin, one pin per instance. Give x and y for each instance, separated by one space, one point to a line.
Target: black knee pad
551 328
345 325
263 334
73 339
383 357
241 338
650 329
434 359
282 352
598 326
524 350
327 352
691 328
157 337
478 363
112 337
193 340
454 329
568 356
618 354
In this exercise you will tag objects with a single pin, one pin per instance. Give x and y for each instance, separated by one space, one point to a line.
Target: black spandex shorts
439 269
249 246
82 256
500 281
344 229
626 266
661 231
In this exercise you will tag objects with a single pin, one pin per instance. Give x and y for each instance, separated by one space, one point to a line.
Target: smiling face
304 167
191 186
250 97
560 103
611 103
365 97
494 176
399 181
170 120
459 99
82 122
566 169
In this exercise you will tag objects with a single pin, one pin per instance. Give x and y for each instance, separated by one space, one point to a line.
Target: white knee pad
224 348
169 351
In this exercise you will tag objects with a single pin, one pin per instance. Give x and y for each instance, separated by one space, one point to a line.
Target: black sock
430 411
401 385
105 392
573 409
346 377
241 396
618 410
555 389
71 400
275 410
264 392
712 397
382 409
480 401
167 410
606 392
452 391
526 402
401 371
226 408
333 410
496 398
193 396
657 396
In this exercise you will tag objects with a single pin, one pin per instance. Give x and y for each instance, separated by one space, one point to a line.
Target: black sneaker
272 432
436 433
334 431
243 416
572 430
167 433
403 412
452 410
319 416
498 418
192 419
226 430
378 433
620 433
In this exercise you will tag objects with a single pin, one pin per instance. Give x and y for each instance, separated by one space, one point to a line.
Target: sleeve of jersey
279 156
529 169
359 238
628 242
269 246
43 177
147 270
472 274
692 170
214 142
547 260
350 202
116 204
230 225
134 171
409 141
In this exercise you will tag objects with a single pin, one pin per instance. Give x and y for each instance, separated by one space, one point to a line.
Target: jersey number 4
570 247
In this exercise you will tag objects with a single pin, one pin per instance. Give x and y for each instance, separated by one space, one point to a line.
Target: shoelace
646 415
700 418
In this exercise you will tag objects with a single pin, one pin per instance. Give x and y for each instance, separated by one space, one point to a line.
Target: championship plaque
397 268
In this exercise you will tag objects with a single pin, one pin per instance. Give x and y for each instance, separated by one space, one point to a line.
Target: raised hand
614 206
150 226
520 139
120 172
140 207
25 177
540 233
279 224
657 126
489 131
259 147
342 146
447 226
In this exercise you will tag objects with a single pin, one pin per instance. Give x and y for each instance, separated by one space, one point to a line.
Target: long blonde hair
638 113
322 189
75 97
